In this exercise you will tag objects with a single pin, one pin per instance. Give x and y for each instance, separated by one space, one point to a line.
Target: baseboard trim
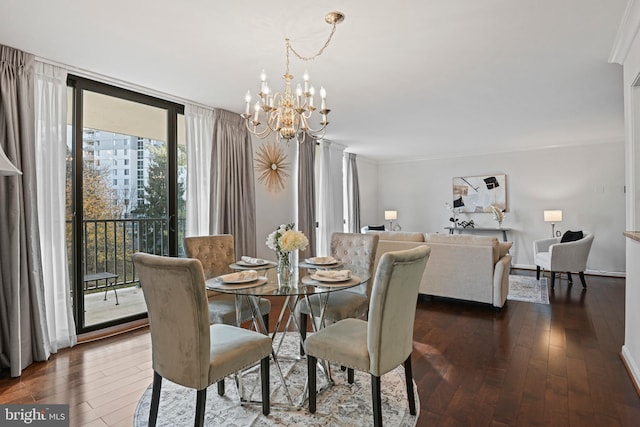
588 272
631 367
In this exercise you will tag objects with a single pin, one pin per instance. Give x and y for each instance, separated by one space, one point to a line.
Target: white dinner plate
329 279
247 264
311 261
246 280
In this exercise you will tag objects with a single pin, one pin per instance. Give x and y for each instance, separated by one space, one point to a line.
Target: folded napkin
334 274
240 275
250 260
322 260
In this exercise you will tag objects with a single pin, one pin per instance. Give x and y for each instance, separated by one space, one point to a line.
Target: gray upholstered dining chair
554 255
358 253
216 253
186 349
385 340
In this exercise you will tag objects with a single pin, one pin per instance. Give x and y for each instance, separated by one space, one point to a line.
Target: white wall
586 182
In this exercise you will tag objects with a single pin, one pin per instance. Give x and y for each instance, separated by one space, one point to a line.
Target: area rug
343 404
528 289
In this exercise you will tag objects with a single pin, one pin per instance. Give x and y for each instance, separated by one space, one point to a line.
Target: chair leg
265 320
408 377
311 375
155 398
581 274
377 401
303 332
350 375
537 272
264 378
221 387
201 399
569 277
552 275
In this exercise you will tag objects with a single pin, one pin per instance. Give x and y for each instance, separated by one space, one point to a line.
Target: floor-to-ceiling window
126 173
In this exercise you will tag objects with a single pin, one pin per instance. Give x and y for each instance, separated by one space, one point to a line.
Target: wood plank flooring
527 365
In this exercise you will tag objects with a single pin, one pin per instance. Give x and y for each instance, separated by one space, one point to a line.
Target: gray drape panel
22 317
233 199
307 195
353 194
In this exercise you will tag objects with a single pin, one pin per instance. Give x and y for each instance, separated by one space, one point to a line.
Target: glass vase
285 271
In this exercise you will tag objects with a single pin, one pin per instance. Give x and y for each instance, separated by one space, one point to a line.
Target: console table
479 230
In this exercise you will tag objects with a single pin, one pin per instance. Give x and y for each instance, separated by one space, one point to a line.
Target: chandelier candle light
286 114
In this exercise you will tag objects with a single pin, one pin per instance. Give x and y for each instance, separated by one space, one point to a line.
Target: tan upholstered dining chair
216 253
385 340
186 349
358 253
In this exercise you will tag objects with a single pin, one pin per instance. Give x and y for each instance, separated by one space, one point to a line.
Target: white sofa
465 267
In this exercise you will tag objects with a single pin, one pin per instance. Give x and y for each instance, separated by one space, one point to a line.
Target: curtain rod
122 83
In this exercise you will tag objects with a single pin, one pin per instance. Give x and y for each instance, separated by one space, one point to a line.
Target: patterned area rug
343 404
528 289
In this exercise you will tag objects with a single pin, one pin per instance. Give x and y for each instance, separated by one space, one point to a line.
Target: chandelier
287 114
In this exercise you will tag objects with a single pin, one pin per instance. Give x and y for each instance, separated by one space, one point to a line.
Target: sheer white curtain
50 110
330 199
199 127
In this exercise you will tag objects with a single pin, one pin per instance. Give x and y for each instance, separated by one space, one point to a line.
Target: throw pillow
571 236
376 227
504 248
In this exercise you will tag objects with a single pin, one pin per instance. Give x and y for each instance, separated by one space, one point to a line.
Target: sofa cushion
466 239
400 236
504 248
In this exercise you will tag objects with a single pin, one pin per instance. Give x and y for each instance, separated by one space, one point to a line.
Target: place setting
320 263
327 278
251 263
238 280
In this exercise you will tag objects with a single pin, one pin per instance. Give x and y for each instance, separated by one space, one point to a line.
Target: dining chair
358 253
216 253
385 340
186 349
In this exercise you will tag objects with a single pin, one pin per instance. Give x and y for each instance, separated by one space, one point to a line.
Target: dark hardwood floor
527 365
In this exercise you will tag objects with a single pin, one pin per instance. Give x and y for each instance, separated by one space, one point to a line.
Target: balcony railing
108 244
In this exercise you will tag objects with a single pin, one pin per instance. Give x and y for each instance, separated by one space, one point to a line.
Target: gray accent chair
556 257
385 340
185 348
358 253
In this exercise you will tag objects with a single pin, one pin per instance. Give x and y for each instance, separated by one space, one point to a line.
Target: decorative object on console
498 215
6 167
284 241
478 193
287 115
391 216
553 216
271 166
375 227
454 213
467 224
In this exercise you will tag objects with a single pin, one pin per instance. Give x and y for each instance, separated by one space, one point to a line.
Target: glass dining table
268 287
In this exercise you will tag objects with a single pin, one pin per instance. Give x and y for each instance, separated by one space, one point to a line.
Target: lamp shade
6 167
553 216
390 215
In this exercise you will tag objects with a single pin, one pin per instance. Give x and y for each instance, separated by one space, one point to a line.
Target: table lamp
390 216
553 217
6 167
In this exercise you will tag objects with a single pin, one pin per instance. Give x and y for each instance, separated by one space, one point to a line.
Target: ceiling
405 79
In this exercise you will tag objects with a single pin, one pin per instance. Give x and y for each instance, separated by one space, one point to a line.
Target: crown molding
626 33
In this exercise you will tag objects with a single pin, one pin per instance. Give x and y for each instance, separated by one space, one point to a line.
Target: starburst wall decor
272 166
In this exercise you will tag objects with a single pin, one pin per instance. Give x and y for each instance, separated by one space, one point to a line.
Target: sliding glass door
126 183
